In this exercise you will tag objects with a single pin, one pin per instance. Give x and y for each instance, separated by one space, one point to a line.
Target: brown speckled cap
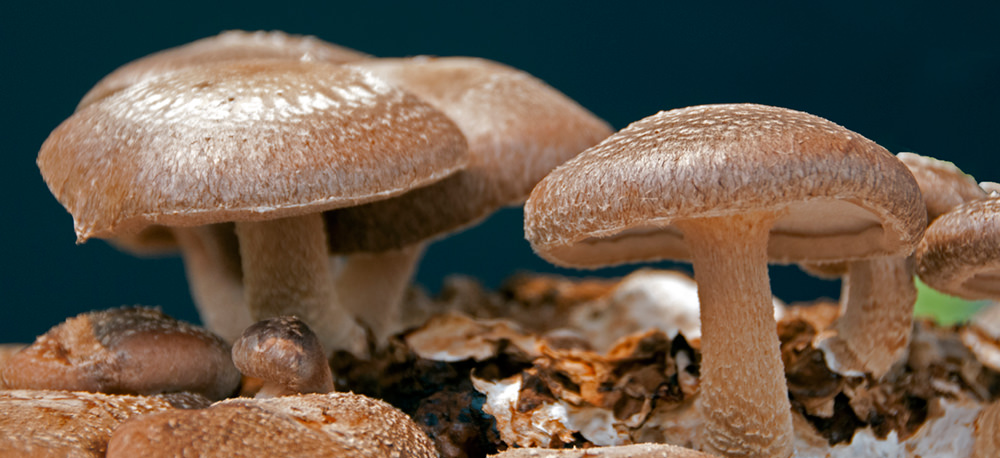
518 129
244 140
960 252
335 424
839 195
129 350
943 185
228 45
285 355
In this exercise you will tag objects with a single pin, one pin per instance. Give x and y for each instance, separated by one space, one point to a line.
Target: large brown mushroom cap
518 129
838 194
333 425
243 140
130 350
228 45
960 252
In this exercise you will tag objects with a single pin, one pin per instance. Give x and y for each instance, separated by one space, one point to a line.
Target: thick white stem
212 264
286 272
743 394
372 287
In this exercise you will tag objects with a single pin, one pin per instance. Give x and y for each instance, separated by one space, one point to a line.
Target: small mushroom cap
839 195
518 129
943 185
960 252
228 45
246 140
286 355
330 425
129 350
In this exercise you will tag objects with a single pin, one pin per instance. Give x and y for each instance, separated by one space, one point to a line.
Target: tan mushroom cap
243 140
129 350
518 129
943 185
228 45
332 425
960 252
41 423
838 195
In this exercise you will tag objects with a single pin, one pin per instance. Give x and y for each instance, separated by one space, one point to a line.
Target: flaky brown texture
334 425
960 253
943 185
518 128
246 140
228 45
65 424
839 194
622 451
130 350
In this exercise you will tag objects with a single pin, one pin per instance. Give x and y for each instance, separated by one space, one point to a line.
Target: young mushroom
285 355
518 129
130 350
268 144
729 187
872 335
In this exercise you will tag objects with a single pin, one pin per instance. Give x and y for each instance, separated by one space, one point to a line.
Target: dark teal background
913 78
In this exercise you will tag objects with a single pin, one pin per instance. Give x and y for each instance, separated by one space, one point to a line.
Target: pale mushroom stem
372 286
286 271
212 263
743 393
873 331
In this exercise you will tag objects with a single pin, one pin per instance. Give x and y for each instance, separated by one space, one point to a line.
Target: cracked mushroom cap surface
518 127
327 425
838 195
228 45
129 350
247 140
960 252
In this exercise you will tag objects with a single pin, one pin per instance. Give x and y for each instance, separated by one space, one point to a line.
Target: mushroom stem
372 286
743 399
211 256
873 331
286 271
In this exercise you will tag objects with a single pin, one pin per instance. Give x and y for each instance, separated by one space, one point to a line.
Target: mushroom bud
285 355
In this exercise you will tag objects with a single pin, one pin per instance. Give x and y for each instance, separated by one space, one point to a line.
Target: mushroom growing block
267 144
730 187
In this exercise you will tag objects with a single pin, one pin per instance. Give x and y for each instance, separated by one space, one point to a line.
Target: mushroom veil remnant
730 188
266 144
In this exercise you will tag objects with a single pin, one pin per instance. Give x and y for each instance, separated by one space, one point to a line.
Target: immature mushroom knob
286 355
729 187
131 350
268 144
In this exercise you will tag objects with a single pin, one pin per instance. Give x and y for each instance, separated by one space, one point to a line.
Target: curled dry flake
66 424
452 337
543 426
982 336
626 451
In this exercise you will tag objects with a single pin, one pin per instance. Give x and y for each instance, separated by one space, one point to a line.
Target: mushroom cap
839 195
943 185
283 351
518 129
246 140
960 252
334 425
128 350
228 45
